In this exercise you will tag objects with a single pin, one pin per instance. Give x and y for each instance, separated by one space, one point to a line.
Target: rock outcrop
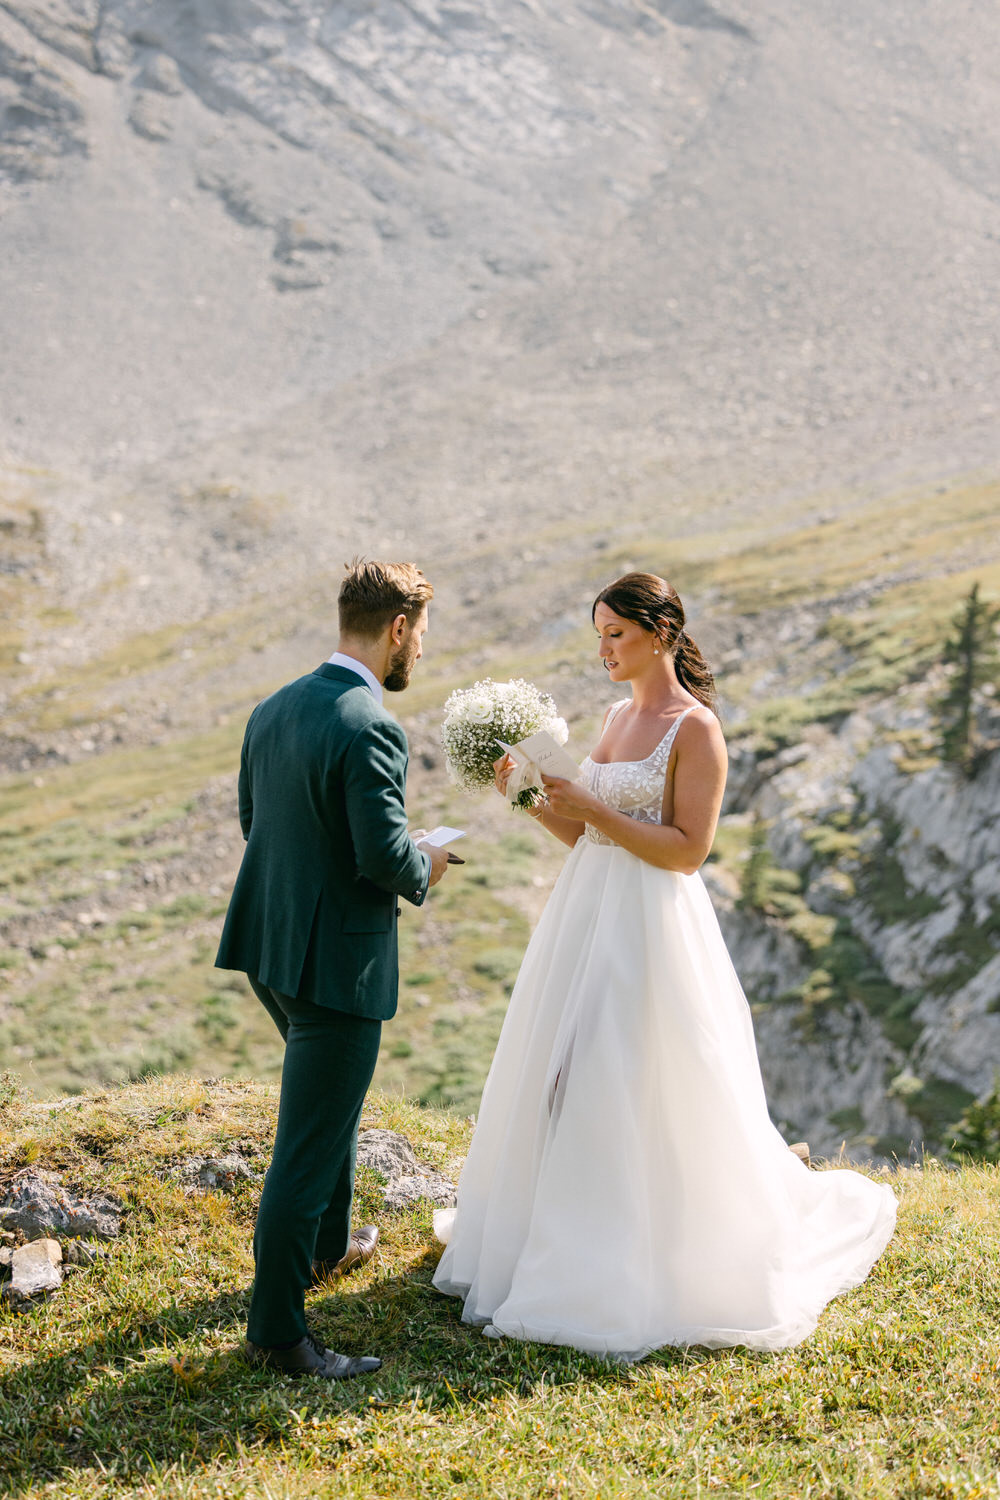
875 972
35 1208
37 1204
407 1181
220 1174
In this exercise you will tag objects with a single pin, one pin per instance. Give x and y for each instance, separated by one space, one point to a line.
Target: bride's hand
568 799
501 772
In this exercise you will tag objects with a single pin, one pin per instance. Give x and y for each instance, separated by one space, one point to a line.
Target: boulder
404 1192
386 1152
407 1181
220 1174
37 1203
35 1269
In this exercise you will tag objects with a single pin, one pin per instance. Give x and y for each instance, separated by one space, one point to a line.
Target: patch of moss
883 885
849 1120
846 972
830 843
938 1105
501 964
813 929
972 944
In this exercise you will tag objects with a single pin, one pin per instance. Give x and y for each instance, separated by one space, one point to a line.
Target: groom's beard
401 664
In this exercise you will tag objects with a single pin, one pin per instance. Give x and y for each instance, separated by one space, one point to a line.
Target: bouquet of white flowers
477 718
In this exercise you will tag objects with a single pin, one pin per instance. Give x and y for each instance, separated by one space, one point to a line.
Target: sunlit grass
779 562
130 1383
116 783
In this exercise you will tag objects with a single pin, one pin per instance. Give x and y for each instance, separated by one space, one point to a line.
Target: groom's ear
397 630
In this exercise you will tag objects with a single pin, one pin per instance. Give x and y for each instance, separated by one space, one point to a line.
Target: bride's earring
656 650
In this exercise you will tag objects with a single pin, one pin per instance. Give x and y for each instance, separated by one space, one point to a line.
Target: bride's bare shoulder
701 733
614 709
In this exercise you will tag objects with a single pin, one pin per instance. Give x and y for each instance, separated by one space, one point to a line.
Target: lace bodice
632 786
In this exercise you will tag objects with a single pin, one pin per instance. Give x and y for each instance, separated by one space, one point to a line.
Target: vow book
537 755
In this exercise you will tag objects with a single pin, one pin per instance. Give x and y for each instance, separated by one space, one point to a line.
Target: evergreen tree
977 1133
755 881
972 654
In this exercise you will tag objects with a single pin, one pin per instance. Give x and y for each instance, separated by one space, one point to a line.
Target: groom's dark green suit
312 922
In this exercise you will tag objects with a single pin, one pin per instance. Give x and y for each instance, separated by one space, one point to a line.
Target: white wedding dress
625 1187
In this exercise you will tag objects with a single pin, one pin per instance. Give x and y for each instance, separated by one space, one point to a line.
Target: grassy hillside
117 803
129 1381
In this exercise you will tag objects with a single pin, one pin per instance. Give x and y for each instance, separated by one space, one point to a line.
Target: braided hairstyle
651 602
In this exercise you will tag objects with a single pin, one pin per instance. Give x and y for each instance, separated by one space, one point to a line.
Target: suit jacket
321 798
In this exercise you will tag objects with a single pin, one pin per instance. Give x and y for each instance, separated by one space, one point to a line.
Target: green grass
23 540
119 785
222 640
109 1025
130 1383
139 992
919 553
884 537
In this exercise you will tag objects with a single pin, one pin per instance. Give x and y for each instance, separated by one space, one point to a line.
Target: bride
625 1187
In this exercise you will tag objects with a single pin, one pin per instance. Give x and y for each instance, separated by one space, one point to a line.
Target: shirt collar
340 659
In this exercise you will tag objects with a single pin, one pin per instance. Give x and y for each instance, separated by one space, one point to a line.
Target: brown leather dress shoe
359 1253
310 1357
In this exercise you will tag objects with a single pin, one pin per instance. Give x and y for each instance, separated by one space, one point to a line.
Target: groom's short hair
374 593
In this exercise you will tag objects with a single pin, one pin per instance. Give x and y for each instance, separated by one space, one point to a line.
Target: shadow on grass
169 1388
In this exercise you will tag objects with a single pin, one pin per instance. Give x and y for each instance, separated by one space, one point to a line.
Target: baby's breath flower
477 718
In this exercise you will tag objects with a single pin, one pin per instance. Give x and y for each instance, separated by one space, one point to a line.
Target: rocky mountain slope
717 225
534 294
872 949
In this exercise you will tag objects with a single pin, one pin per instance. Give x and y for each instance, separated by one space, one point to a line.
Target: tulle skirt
625 1187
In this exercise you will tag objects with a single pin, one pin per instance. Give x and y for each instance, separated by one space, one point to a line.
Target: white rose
559 731
478 709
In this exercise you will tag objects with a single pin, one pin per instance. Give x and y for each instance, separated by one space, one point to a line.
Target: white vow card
442 835
541 750
532 757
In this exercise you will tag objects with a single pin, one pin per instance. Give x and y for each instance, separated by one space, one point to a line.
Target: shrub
977 1133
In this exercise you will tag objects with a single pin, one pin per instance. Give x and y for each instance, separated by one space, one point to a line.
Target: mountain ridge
532 296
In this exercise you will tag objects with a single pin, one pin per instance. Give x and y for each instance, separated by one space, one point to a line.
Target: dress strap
667 743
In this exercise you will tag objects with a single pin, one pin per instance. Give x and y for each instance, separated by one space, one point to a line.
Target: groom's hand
439 861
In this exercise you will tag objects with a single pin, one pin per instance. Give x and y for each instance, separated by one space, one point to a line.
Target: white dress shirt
339 659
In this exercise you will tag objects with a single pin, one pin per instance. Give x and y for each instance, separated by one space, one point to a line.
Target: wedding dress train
625 1187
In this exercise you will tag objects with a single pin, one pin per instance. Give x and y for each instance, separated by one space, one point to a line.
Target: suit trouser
305 1204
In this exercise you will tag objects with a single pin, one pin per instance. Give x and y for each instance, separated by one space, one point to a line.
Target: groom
312 923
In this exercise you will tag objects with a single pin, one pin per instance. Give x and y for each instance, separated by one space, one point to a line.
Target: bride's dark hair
651 602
